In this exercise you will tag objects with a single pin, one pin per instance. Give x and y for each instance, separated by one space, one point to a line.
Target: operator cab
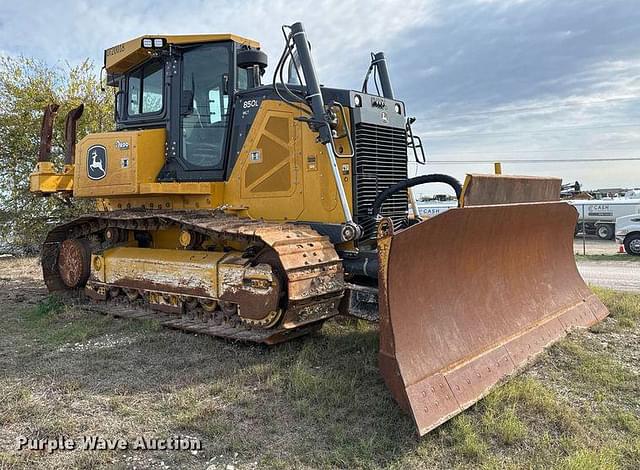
185 84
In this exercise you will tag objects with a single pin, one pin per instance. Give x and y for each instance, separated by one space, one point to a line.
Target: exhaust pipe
320 122
380 62
314 95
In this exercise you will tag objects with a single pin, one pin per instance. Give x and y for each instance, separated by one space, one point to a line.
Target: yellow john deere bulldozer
256 211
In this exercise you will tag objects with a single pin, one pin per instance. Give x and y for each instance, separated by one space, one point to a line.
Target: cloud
342 32
525 80
487 79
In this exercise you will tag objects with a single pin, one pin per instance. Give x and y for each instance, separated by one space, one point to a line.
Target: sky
487 80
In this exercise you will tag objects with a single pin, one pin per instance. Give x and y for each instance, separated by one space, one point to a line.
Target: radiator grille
381 161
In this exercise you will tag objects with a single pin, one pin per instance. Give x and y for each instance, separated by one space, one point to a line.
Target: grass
317 402
624 308
52 322
586 459
595 369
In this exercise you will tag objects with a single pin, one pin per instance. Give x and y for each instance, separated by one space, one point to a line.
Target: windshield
205 73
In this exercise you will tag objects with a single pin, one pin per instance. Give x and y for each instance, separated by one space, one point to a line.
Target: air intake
380 161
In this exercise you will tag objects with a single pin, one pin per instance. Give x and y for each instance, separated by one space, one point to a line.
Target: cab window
145 89
242 78
205 76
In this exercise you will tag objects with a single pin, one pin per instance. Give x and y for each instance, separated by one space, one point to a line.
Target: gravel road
618 275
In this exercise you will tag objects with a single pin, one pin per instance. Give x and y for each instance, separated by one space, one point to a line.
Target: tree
26 87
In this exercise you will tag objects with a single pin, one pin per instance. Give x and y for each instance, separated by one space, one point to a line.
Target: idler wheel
74 263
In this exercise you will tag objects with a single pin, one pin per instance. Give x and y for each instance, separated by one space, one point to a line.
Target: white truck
598 216
428 209
628 233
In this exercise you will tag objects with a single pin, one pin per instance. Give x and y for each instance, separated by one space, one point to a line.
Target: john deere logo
378 103
96 162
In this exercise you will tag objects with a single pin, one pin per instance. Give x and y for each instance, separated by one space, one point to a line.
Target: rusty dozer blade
472 294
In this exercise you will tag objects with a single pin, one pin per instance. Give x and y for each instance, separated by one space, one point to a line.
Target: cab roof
118 59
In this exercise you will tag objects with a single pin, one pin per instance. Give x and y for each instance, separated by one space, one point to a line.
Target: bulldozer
257 211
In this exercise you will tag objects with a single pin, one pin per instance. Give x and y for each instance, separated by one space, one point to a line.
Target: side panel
320 189
265 179
156 269
282 173
117 163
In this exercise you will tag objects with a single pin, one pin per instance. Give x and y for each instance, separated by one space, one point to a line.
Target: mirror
225 83
118 100
186 102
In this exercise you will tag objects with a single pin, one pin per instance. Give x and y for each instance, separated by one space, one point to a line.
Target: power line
452 134
537 160
595 152
528 108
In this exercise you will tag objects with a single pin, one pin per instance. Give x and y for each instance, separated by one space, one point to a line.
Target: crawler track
200 324
310 266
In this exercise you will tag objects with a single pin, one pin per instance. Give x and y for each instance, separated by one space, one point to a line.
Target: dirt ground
317 402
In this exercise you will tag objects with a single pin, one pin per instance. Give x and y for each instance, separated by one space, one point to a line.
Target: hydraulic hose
408 183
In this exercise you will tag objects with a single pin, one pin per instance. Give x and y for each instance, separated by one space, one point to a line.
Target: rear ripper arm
45 180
